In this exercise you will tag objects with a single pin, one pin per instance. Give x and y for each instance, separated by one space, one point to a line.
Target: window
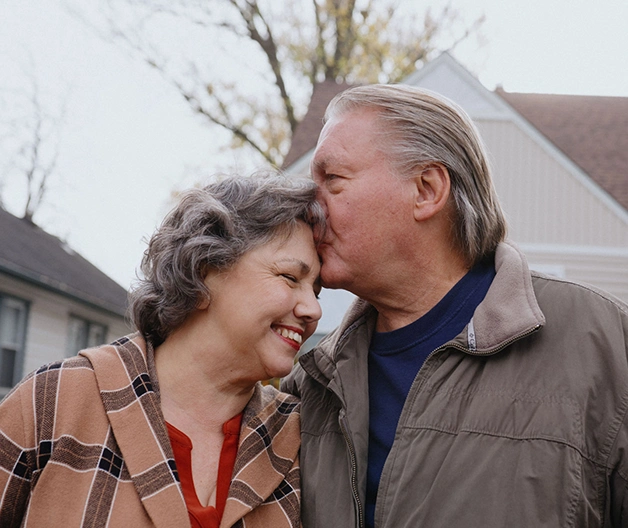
84 334
13 316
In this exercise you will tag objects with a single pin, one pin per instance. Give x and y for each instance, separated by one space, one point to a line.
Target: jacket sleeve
617 482
17 454
617 465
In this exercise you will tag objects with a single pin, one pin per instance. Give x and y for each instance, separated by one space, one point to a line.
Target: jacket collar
509 311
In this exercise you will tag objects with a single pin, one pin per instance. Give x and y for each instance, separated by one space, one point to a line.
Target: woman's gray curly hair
210 229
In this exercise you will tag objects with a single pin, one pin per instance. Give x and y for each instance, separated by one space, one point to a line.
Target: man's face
368 206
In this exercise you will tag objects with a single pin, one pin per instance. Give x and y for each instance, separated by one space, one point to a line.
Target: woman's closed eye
291 278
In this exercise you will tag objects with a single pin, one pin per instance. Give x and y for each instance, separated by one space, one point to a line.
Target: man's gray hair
211 228
420 127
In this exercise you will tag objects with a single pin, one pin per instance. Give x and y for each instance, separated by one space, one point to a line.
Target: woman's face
266 305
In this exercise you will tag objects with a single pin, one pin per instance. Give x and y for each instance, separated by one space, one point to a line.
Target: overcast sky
128 139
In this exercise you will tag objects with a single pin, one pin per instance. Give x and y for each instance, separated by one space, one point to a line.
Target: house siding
600 267
557 219
48 320
543 201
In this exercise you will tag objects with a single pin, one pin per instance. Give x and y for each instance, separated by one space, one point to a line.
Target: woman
170 426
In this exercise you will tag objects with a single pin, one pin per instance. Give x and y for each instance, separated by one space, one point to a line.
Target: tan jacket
83 442
519 422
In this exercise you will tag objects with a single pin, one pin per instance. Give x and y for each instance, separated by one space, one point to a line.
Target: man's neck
414 296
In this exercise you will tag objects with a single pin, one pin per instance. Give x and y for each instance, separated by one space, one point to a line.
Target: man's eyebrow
320 163
324 160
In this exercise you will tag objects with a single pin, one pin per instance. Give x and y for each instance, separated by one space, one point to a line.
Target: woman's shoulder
44 372
267 401
269 394
132 344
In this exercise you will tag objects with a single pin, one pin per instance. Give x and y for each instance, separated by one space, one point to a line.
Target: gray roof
29 253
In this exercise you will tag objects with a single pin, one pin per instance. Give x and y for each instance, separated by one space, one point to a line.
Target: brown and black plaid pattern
266 476
23 463
83 443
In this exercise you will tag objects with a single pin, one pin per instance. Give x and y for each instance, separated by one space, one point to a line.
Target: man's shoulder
551 290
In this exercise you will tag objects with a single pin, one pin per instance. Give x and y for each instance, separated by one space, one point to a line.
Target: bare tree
29 137
255 71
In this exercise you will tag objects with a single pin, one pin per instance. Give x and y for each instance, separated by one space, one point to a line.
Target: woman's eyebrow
305 268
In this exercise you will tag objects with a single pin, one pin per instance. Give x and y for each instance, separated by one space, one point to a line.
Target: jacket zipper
354 472
475 352
503 345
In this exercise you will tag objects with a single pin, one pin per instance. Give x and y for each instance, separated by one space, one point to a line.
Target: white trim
501 112
595 251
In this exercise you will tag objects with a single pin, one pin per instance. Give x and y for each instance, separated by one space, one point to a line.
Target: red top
206 516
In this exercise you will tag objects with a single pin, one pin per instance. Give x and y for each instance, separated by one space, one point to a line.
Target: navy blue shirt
396 357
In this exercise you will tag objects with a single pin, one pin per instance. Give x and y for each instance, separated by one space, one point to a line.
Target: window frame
19 346
87 326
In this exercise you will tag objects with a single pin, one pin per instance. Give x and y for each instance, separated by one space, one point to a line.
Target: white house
53 302
560 165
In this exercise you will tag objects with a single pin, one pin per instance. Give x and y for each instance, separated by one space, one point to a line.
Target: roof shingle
29 253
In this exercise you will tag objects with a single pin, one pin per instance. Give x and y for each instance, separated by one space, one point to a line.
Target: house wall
606 269
48 321
562 221
564 224
544 202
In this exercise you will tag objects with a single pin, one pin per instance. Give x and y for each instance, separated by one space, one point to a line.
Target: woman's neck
194 386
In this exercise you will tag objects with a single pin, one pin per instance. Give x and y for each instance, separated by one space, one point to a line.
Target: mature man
461 389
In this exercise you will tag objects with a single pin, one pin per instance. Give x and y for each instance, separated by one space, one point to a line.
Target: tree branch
250 13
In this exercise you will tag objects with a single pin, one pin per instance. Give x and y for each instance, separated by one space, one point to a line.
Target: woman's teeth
290 334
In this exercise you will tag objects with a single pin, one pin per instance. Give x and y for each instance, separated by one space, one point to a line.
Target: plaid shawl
83 442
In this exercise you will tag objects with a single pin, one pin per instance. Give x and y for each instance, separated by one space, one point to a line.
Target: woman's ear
204 298
203 303
433 187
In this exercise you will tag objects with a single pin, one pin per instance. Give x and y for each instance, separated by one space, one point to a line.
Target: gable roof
29 253
306 133
591 130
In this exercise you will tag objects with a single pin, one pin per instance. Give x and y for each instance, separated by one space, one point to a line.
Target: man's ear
433 187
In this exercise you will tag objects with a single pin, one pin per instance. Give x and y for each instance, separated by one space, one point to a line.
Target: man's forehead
324 156
344 132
